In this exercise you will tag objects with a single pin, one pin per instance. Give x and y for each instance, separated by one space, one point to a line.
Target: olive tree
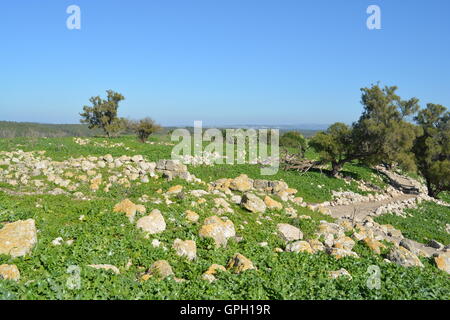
103 113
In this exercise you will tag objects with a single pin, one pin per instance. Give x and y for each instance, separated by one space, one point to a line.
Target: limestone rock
340 273
241 183
443 261
191 216
253 203
186 248
374 245
212 270
404 257
288 232
160 269
153 223
218 229
18 238
105 267
239 263
272 204
9 272
129 208
299 246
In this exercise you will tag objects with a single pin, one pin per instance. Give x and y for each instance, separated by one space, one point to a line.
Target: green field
106 237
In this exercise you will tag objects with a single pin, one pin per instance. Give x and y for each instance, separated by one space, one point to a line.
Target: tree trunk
336 167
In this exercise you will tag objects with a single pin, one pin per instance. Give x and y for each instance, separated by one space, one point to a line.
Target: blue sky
220 61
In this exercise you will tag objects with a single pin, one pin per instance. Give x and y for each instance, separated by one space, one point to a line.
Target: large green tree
103 113
334 145
432 148
382 134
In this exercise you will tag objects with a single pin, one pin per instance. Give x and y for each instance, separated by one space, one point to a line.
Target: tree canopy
103 113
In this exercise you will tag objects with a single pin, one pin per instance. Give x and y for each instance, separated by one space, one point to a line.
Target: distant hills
11 129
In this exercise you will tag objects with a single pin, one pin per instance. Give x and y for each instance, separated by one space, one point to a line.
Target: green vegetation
143 128
432 148
425 223
9 129
103 113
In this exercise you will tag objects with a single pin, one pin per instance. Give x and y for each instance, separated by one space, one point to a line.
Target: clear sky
220 61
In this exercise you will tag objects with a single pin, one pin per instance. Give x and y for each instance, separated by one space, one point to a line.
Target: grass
426 223
105 237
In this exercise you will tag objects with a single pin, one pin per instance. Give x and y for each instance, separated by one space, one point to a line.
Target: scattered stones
160 269
374 245
217 229
340 273
191 216
18 238
9 272
239 263
107 267
253 203
339 253
209 274
129 208
185 248
241 183
299 246
272 204
443 261
175 189
288 232
316 245
344 242
404 257
153 223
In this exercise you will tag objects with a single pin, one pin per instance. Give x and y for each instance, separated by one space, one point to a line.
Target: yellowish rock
241 183
239 263
272 204
191 216
374 245
9 272
129 208
443 261
18 238
175 189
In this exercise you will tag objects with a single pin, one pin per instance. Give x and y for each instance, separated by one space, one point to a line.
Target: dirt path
363 209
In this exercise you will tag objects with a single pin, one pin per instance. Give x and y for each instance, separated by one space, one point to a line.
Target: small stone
239 263
340 273
191 216
374 245
252 203
272 204
218 229
108 267
443 261
129 208
175 189
404 257
288 232
212 270
153 223
299 246
9 272
18 238
241 183
160 269
185 248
